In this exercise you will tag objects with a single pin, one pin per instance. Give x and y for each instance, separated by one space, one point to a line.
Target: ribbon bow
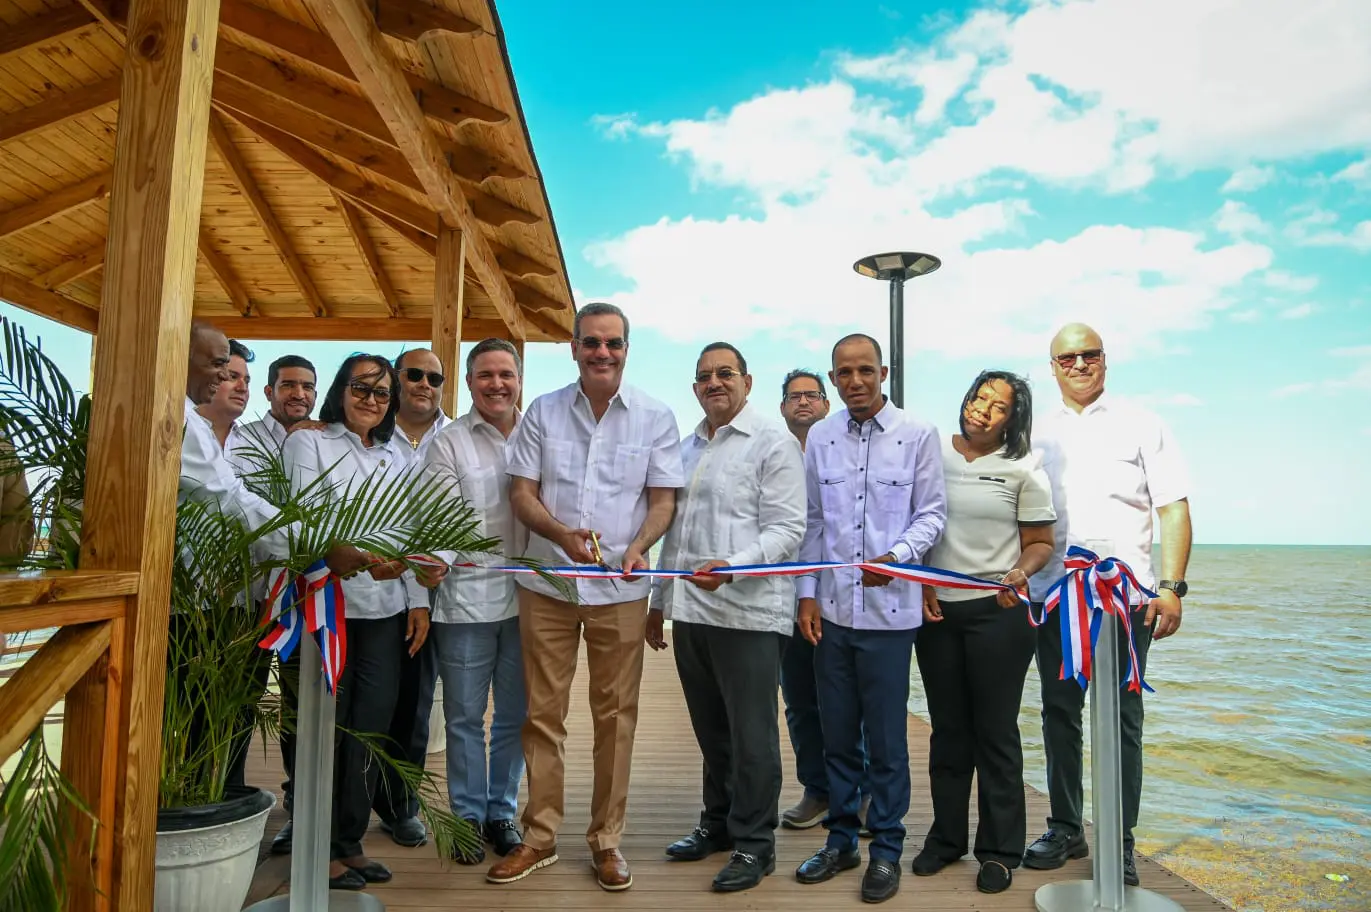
1091 588
313 602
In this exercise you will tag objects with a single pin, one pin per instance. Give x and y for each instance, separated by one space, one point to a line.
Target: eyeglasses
414 375
725 374
804 396
593 342
361 392
1067 360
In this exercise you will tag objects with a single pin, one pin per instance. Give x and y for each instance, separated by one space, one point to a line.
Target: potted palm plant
208 832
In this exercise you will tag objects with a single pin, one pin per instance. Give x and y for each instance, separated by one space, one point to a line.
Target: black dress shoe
408 832
826 864
699 845
283 840
372 872
348 880
477 855
881 880
1052 849
927 863
993 877
743 872
1130 868
503 836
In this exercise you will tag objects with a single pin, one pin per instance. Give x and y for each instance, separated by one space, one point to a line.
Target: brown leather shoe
521 861
611 870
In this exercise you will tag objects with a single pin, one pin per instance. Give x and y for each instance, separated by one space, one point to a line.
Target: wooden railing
83 663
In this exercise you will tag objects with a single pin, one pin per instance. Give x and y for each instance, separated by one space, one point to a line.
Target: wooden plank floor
663 806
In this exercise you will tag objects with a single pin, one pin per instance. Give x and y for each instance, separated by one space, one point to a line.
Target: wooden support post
139 401
519 347
448 305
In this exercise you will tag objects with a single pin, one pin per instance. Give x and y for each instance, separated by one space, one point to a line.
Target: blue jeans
864 689
473 660
801 693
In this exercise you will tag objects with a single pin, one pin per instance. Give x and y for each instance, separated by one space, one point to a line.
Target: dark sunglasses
414 375
360 392
594 342
1067 360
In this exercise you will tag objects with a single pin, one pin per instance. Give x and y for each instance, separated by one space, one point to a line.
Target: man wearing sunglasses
417 423
594 469
1111 464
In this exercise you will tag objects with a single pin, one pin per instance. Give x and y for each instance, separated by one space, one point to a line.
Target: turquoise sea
1258 738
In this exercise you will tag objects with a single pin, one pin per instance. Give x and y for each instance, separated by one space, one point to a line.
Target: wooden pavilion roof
322 199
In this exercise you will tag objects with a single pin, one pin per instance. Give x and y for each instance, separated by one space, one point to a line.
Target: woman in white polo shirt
974 649
386 615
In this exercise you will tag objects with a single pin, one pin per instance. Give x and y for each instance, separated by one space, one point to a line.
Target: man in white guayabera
1111 464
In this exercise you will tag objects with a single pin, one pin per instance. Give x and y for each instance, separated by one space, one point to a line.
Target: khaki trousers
550 632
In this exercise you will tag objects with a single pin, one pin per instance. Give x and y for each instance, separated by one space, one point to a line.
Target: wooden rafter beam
436 100
531 298
41 29
554 324
304 91
58 108
224 275
412 19
368 192
72 268
367 248
422 240
110 15
247 185
34 298
520 266
374 329
55 204
353 29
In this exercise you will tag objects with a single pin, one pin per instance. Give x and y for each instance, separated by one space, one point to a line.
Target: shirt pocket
481 488
893 495
832 493
630 467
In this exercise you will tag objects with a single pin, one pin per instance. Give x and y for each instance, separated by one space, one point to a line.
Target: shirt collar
624 395
884 419
475 418
1102 404
745 422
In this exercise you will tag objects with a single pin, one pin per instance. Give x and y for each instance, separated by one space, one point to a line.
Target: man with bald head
416 425
1111 464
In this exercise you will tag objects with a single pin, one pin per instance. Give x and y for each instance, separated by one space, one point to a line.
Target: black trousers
973 663
730 679
1063 702
365 703
408 736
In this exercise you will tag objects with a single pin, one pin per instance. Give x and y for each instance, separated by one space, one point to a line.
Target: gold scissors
600 558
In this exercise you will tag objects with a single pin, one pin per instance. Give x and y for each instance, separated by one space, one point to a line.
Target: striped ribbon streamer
1092 588
310 602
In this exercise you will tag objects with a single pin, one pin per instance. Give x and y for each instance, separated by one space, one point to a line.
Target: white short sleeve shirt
987 500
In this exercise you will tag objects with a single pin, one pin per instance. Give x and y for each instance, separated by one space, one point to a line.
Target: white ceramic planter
209 869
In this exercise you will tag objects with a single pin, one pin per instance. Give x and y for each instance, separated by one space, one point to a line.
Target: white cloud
1287 281
1352 351
1169 400
1316 229
1298 312
1359 378
1245 180
939 79
615 126
1244 316
1358 173
1238 220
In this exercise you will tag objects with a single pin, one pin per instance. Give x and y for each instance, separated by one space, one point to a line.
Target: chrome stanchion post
313 801
1105 891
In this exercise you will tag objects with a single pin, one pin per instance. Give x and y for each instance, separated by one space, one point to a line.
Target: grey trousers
1063 702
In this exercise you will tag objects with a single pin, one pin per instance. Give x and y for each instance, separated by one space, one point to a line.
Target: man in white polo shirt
1111 464
594 470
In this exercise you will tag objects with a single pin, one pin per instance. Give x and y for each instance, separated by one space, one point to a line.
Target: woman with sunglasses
974 648
386 615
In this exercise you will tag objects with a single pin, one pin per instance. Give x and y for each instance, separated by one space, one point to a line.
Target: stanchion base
338 901
1079 896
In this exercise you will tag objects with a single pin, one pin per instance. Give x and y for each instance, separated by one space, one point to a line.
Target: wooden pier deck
663 806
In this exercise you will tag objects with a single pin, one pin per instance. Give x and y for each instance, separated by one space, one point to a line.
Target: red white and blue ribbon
1092 588
310 602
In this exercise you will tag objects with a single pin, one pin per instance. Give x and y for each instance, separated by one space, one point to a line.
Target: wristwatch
1177 586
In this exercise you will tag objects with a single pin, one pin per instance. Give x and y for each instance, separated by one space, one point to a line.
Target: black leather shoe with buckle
743 872
1052 849
699 845
881 880
503 836
826 864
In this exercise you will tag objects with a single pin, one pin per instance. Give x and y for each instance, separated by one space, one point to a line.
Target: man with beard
595 467
290 392
416 425
874 477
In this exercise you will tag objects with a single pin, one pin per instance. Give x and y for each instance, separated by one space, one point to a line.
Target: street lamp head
897 266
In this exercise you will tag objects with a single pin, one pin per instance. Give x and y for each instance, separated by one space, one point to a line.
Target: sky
1191 178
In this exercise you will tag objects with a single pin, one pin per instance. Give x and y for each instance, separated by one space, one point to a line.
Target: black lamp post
897 268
